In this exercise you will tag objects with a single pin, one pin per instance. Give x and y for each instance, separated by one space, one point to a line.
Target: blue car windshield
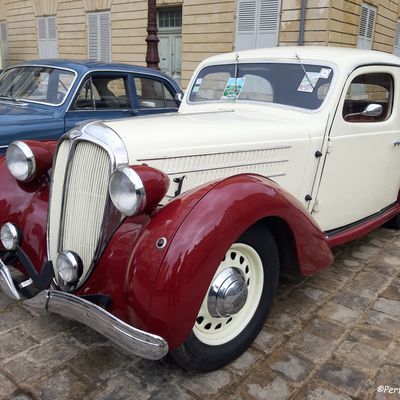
37 84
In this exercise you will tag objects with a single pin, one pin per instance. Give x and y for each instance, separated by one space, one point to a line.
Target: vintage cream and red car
169 233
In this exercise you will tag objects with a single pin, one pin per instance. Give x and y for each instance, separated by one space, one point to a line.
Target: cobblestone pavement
334 336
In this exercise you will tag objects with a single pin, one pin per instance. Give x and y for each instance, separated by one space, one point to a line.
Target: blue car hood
11 114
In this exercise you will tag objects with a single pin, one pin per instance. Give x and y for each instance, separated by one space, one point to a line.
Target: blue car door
101 95
154 95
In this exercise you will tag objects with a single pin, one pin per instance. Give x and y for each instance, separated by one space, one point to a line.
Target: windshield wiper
9 98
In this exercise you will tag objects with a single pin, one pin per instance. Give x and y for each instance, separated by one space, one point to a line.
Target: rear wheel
236 304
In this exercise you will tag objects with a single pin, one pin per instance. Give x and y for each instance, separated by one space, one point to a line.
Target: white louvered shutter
396 47
4 45
246 24
257 24
367 25
99 36
47 37
268 27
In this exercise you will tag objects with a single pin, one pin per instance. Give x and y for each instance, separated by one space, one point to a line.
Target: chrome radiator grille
79 200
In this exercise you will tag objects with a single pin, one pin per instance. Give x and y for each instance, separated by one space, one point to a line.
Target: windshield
38 84
290 84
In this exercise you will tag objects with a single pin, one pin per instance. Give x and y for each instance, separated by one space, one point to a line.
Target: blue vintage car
45 98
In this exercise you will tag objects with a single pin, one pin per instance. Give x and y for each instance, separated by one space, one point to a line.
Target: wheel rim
217 331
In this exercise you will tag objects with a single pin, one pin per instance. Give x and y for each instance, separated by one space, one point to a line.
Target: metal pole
302 21
152 58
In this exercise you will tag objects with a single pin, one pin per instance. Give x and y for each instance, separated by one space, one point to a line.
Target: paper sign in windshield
232 89
309 81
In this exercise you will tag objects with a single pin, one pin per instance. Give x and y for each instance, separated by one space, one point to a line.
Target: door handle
396 142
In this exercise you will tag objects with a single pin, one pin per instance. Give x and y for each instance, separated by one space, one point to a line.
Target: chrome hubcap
227 294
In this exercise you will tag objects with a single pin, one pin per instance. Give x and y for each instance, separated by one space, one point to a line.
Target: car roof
347 58
88 65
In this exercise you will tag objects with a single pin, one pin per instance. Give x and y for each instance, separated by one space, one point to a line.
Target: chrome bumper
132 340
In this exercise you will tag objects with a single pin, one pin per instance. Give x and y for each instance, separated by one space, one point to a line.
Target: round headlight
9 236
127 191
20 161
69 266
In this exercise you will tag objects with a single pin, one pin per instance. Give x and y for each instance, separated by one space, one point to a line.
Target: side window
374 90
103 93
152 93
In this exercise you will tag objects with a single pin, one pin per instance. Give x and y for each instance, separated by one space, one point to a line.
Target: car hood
184 134
23 113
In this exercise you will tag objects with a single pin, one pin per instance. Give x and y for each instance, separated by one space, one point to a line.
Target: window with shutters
99 36
47 37
396 46
4 45
257 23
367 26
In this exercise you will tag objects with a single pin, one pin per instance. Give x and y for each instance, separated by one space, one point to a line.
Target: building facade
189 30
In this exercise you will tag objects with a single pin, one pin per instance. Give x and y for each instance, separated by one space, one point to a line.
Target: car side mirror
179 97
373 110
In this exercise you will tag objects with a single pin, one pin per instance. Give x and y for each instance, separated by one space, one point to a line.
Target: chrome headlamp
9 236
127 191
20 161
69 267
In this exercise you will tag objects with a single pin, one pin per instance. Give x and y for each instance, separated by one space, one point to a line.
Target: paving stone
339 313
383 322
244 364
267 340
206 386
13 342
106 360
370 336
23 369
350 300
390 307
360 355
392 293
282 321
352 263
87 336
6 387
5 300
347 379
328 285
120 387
62 386
315 294
318 391
365 252
20 396
168 392
325 329
292 366
275 390
394 355
54 325
312 347
13 317
391 260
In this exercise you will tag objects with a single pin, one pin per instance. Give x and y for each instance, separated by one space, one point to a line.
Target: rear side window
369 90
152 93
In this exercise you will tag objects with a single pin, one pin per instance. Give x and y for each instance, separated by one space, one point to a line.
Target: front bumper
132 340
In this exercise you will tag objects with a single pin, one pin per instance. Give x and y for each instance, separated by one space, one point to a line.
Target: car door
154 95
361 171
101 95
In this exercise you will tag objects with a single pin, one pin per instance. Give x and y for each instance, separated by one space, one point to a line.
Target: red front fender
199 229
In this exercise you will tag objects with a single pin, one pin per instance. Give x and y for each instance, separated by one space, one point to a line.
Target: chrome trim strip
7 283
212 154
134 341
48 66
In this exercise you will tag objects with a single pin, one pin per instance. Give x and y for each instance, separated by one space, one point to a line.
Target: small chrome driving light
127 191
21 161
69 266
9 236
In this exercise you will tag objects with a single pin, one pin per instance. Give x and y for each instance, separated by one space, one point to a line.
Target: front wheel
236 304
